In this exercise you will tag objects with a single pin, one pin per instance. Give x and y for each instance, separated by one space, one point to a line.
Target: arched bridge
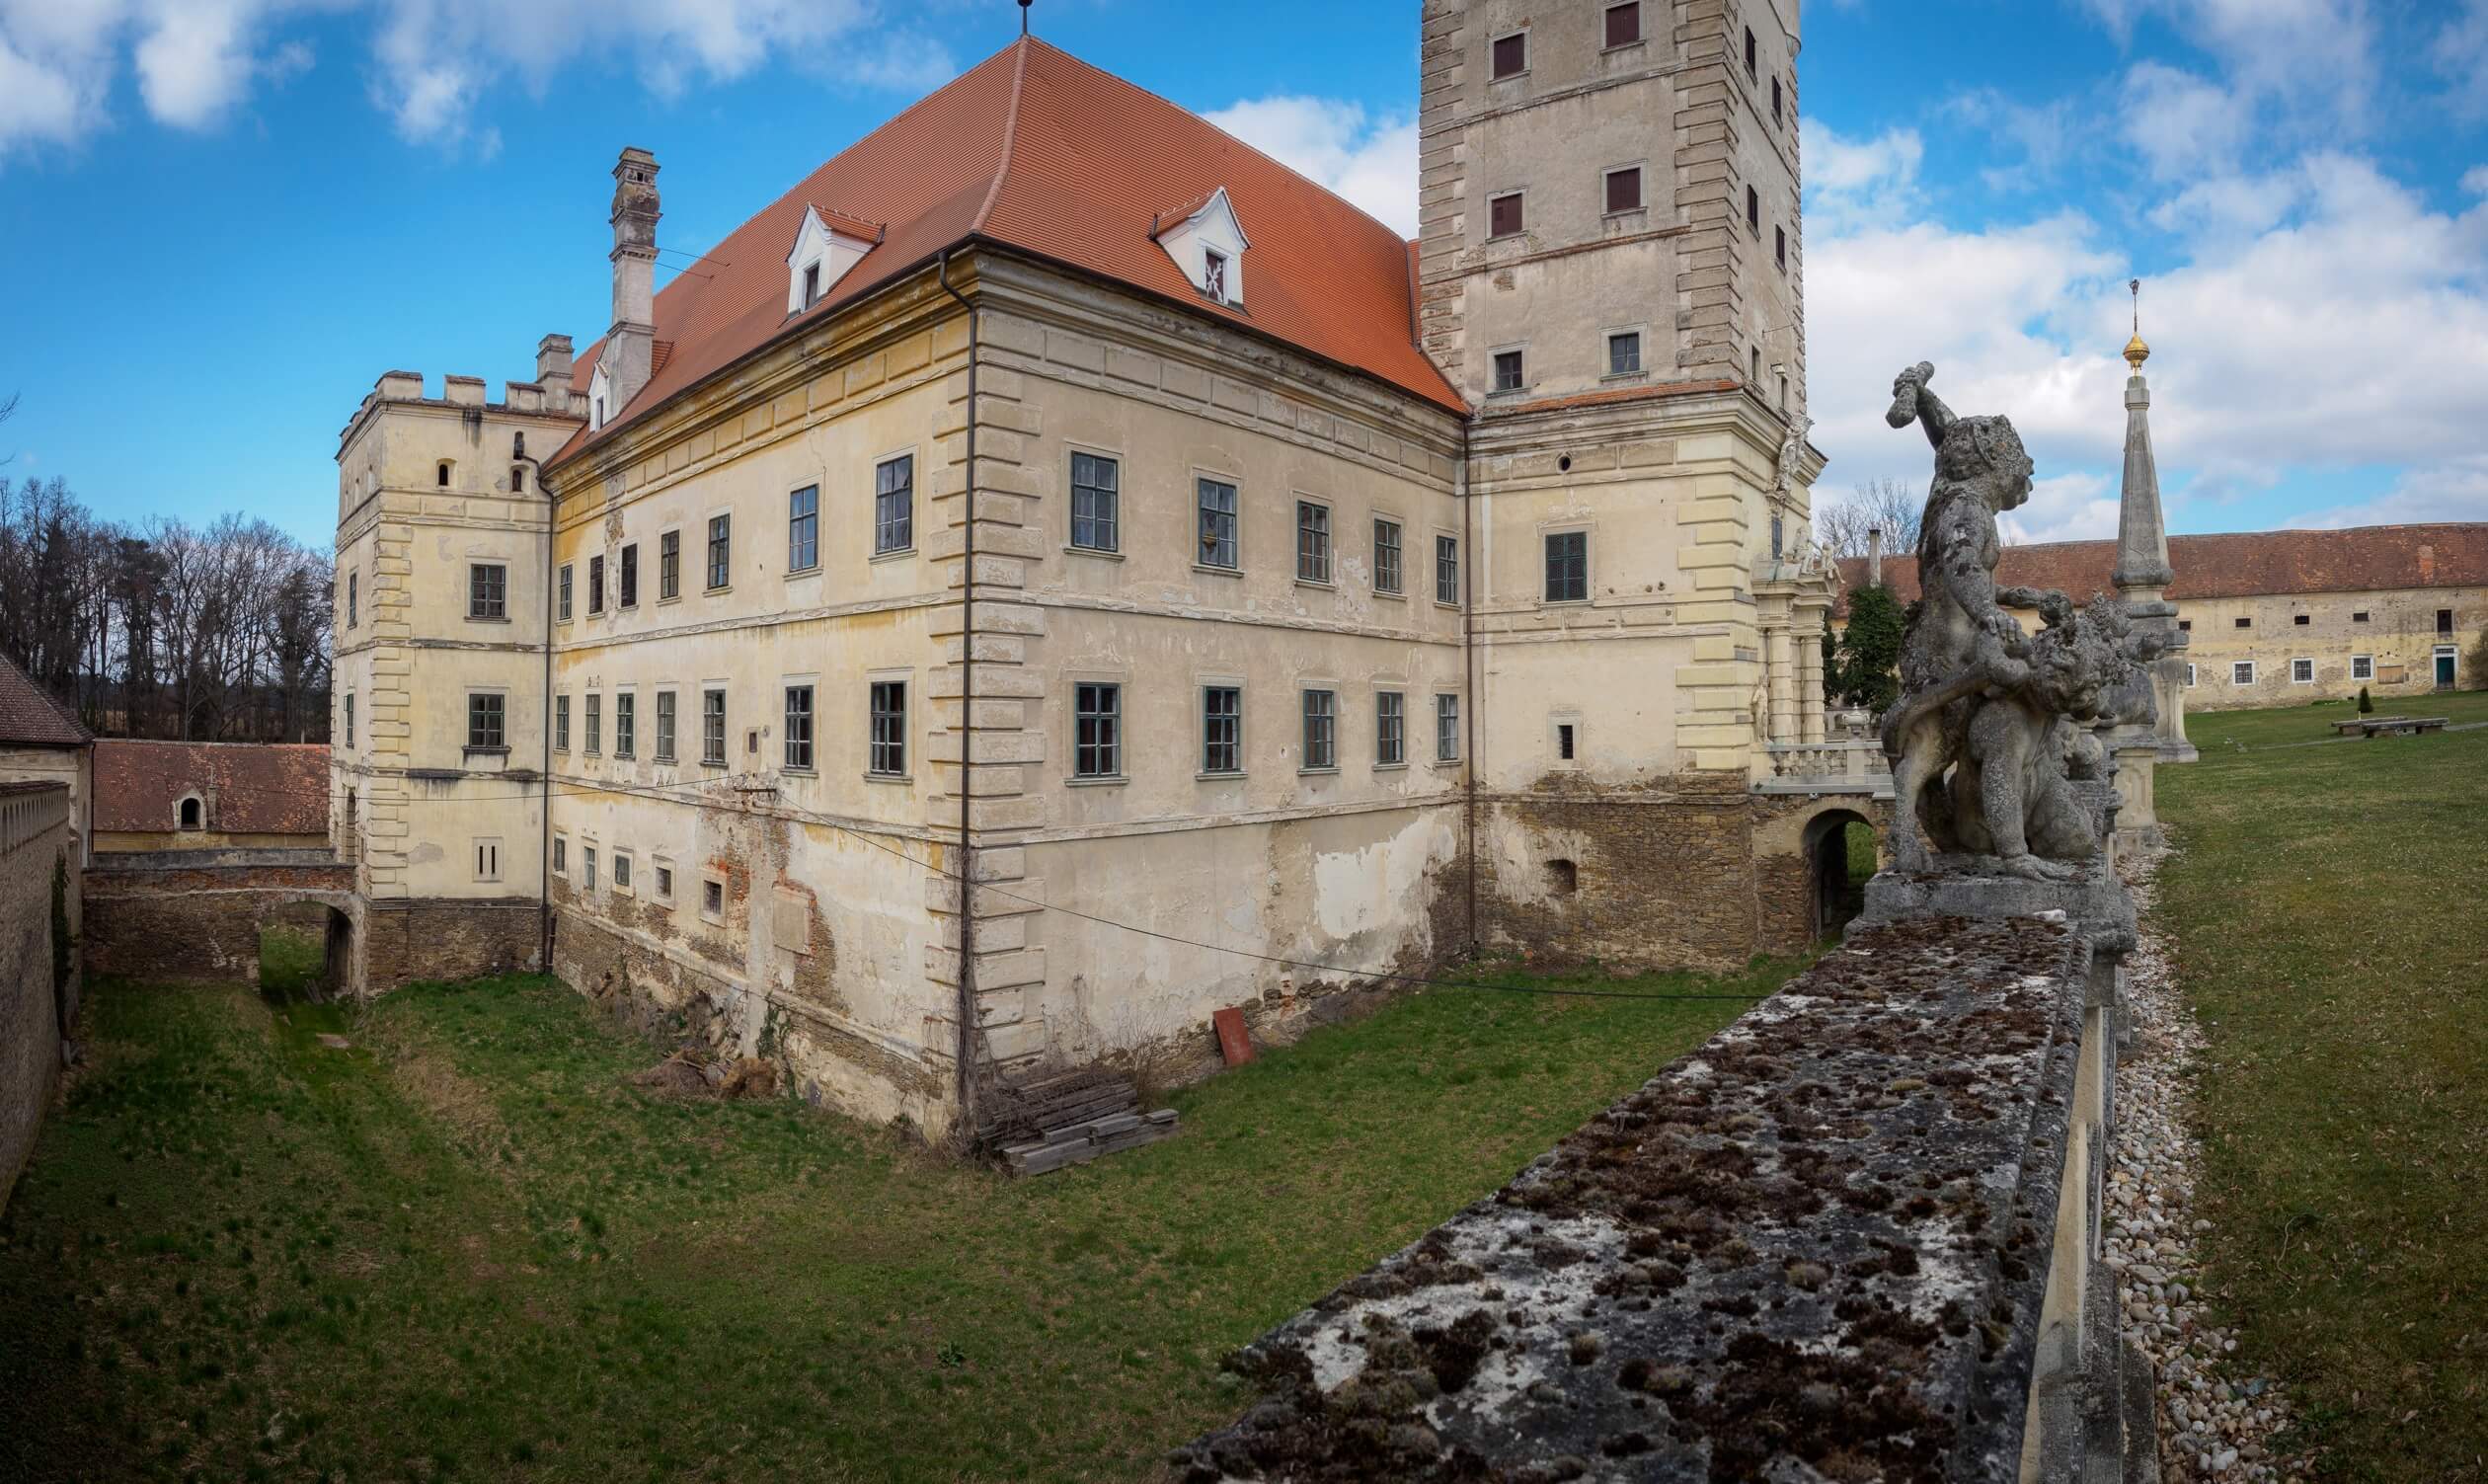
196 914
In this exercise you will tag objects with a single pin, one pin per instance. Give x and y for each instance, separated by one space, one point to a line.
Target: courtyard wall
35 847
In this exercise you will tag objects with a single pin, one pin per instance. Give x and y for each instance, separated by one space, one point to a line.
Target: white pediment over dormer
827 245
600 408
1208 244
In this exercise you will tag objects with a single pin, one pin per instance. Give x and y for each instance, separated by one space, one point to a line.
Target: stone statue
1995 708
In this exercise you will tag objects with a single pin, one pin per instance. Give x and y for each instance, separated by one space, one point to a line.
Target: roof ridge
1010 137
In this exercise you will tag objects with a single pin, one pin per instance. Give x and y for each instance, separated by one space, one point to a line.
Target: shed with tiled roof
194 795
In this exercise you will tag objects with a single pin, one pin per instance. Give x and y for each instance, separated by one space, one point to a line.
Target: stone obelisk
2141 579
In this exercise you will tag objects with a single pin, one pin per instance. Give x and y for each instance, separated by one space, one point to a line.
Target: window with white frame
588 868
1446 569
561 724
802 529
596 723
888 743
625 723
798 728
595 585
487 860
1313 541
720 551
629 577
2301 672
1221 729
1568 567
2362 667
894 504
1321 730
1095 502
1386 556
712 898
1216 522
621 870
1508 371
827 244
1096 730
562 605
1446 727
713 727
664 879
669 565
1390 728
664 725
350 718
2242 672
1624 357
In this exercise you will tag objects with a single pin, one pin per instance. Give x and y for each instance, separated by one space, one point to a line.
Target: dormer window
827 244
1208 244
600 398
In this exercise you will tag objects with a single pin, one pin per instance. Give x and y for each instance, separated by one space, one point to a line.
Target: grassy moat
465 1248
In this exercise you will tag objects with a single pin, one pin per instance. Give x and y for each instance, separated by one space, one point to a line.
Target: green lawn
466 1249
2327 909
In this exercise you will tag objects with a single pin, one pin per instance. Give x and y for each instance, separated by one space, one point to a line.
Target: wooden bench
2405 726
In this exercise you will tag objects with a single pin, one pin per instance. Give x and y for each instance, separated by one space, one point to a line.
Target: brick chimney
1874 557
630 344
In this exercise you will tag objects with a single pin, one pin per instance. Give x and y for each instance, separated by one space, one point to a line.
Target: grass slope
2326 906
466 1249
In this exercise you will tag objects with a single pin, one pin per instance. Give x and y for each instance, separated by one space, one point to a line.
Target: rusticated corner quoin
1816 1248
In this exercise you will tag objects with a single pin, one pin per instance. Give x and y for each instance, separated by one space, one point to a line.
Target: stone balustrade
1854 766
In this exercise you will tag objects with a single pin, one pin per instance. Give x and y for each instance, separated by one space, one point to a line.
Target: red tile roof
1034 150
30 717
2242 563
252 788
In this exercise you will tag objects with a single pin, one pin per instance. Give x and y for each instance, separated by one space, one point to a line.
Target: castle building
1056 573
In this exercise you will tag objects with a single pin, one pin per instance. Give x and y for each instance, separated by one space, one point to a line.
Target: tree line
165 629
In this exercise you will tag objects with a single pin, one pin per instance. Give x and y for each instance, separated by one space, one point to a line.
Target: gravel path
2216 1423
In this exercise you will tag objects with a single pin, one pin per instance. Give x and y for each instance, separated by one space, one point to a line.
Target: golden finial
2137 353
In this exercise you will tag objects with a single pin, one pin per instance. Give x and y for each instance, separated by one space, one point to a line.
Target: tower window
1511 56
1507 370
1755 377
1754 210
1623 189
1752 68
1779 246
1503 215
1625 353
1775 100
440 476
1623 24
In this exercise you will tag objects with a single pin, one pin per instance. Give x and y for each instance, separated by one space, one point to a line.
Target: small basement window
1563 878
2299 619
2245 623
2360 616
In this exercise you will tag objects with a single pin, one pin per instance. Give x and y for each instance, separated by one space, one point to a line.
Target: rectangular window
621 871
2190 675
2358 617
1097 731
1221 729
1386 556
664 725
1623 189
1095 502
1213 275
1568 567
2302 671
561 724
1564 741
713 898
2242 672
1753 66
669 565
2245 623
889 729
625 723
1507 370
1504 215
1625 353
487 860
2444 620
561 607
811 284
1511 55
664 882
1313 562
799 727
1390 721
483 721
802 529
713 728
588 867
595 585
354 599
2362 667
596 723
1780 246
488 590
1446 729
1754 210
1321 730
2300 619
1775 100
1446 570
1623 24
561 855
517 479
350 718
720 550
2185 626
894 504
1217 523
629 577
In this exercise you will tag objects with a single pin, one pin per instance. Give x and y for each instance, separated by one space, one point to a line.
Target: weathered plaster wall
36 843
2398 638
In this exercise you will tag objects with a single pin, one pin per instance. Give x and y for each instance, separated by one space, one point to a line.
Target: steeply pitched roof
30 717
2241 564
1036 150
255 788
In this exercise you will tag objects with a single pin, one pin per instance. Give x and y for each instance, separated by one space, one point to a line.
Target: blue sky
221 219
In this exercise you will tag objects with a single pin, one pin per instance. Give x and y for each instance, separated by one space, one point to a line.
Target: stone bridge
194 915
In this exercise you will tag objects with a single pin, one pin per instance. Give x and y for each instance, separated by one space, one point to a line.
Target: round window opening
1565 463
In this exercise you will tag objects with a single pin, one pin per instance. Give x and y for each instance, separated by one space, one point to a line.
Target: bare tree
1884 504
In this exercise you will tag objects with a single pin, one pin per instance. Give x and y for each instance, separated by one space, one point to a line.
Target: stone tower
437 758
1610 269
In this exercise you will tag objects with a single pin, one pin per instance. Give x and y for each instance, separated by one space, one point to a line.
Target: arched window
191 813
444 474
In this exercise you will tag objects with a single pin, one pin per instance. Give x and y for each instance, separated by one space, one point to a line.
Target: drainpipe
1468 665
967 737
544 842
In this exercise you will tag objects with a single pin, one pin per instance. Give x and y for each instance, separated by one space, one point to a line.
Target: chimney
631 343
553 363
1874 556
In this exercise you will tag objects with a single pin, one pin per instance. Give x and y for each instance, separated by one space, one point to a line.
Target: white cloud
2460 52
2182 123
2475 179
2081 505
1370 161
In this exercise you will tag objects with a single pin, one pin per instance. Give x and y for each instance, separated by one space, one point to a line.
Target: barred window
561 724
669 565
1097 731
802 529
1321 729
1313 556
1447 728
720 550
563 608
595 723
1568 567
1390 739
664 725
629 576
894 504
488 590
799 726
1221 729
1386 556
889 729
1095 502
1446 569
484 720
1217 523
713 728
625 723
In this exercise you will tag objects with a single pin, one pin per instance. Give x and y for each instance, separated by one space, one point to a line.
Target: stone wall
197 920
1849 1238
35 845
408 941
